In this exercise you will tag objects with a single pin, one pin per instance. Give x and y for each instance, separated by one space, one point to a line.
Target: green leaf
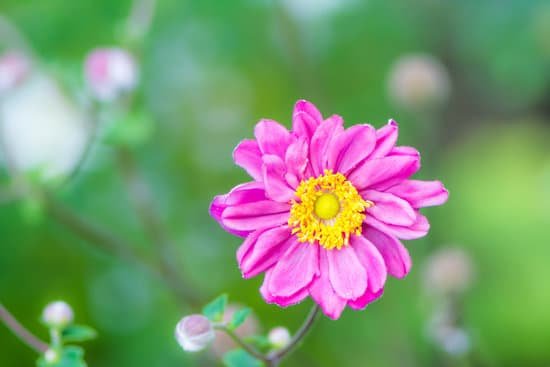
78 333
215 309
239 317
239 358
71 356
261 342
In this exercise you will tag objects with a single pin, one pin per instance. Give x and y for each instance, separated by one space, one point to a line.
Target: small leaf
239 358
239 317
78 333
215 309
261 342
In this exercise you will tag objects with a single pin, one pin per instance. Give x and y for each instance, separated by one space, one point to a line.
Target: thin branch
109 243
276 356
21 332
141 198
247 347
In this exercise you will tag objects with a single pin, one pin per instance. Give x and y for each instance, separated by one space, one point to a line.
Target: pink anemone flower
326 209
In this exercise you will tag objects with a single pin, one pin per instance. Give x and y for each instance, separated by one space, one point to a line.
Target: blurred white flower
449 270
110 72
194 333
279 337
57 314
14 67
418 81
223 343
449 336
41 128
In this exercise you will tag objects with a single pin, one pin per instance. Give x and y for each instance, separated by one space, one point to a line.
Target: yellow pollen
328 211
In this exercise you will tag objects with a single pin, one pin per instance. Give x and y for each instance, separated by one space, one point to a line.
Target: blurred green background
210 70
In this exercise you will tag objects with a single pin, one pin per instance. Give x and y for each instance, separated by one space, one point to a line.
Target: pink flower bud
14 67
194 333
448 271
110 72
418 81
279 337
57 314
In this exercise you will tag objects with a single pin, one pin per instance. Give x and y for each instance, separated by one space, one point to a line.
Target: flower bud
194 333
14 68
51 356
418 81
279 337
448 271
57 314
110 72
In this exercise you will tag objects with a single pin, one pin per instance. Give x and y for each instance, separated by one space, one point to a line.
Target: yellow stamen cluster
328 210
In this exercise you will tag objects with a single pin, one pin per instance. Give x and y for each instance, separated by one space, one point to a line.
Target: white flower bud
51 356
14 68
194 333
42 129
110 72
279 337
449 270
57 314
418 81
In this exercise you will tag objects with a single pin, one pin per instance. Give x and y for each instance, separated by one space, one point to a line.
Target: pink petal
367 298
386 137
281 301
272 137
322 292
381 173
320 142
248 156
267 248
351 147
305 119
418 229
244 193
421 193
255 215
389 208
296 161
396 257
295 270
372 261
404 150
347 276
276 187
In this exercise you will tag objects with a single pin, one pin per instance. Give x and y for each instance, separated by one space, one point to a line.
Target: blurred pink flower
14 67
110 72
326 209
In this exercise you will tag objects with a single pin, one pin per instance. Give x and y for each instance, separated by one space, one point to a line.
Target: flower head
14 68
326 209
110 72
194 333
57 314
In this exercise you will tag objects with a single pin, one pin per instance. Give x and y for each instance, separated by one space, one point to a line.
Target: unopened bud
14 67
110 72
194 333
449 271
418 81
51 356
279 337
57 314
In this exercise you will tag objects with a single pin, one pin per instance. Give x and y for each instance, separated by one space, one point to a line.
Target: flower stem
247 347
21 332
273 359
277 356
